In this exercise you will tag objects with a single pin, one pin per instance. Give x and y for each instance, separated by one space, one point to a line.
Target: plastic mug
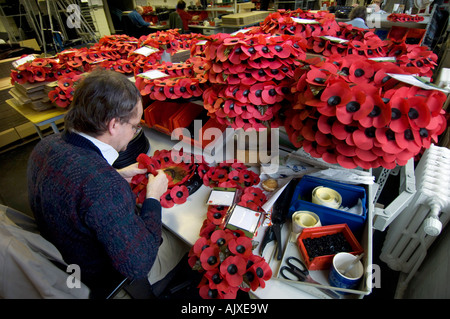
352 278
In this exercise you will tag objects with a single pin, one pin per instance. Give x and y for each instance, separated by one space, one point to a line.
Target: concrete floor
13 193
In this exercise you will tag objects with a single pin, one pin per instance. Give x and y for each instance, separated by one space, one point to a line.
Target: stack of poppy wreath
320 23
403 17
250 75
350 112
180 82
62 94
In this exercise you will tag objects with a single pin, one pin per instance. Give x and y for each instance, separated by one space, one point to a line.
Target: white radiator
413 231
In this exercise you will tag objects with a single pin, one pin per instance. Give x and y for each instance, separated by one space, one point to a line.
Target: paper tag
241 31
245 219
416 81
152 74
305 21
146 50
384 59
23 60
203 42
333 39
221 197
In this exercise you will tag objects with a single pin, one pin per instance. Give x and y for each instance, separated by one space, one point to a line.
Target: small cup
353 277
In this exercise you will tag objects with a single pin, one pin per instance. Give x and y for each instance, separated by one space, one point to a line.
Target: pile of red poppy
37 70
349 111
62 94
403 17
312 24
370 46
250 75
179 83
233 175
179 169
228 265
170 40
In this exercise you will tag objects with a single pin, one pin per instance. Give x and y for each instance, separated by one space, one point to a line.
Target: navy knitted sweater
88 211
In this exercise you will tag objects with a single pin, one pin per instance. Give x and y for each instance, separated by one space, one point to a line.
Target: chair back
29 262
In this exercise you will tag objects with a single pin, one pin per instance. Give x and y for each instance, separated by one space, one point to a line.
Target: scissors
295 267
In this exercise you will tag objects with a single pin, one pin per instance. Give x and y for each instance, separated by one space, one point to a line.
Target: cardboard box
239 19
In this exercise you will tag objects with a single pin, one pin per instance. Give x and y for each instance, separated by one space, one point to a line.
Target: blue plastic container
302 200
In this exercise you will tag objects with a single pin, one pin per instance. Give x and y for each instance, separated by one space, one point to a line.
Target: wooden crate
239 19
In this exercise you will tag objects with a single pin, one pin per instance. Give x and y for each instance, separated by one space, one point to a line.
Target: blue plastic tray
301 200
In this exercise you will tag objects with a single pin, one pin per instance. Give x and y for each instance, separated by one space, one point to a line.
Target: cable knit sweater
88 211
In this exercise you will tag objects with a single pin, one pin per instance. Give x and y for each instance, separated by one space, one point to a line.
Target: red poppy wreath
179 169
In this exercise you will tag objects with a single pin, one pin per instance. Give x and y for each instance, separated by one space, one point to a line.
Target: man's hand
130 171
157 185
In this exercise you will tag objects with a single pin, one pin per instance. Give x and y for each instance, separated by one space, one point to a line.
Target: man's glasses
136 128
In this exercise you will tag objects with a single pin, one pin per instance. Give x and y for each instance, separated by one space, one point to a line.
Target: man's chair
32 268
29 262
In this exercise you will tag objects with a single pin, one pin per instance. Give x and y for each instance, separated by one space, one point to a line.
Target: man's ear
113 126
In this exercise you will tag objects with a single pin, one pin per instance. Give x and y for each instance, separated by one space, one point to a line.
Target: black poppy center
409 135
413 113
376 111
216 279
179 194
396 114
259 272
320 80
220 241
390 135
359 72
353 106
334 100
232 269
423 132
240 249
370 132
212 260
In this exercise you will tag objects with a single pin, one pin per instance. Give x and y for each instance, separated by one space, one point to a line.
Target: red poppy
201 244
380 114
221 238
233 268
217 280
241 246
167 200
20 77
418 113
210 258
335 95
356 108
179 194
207 229
386 138
360 72
215 215
259 270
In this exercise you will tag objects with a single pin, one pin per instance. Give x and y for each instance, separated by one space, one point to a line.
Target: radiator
414 230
